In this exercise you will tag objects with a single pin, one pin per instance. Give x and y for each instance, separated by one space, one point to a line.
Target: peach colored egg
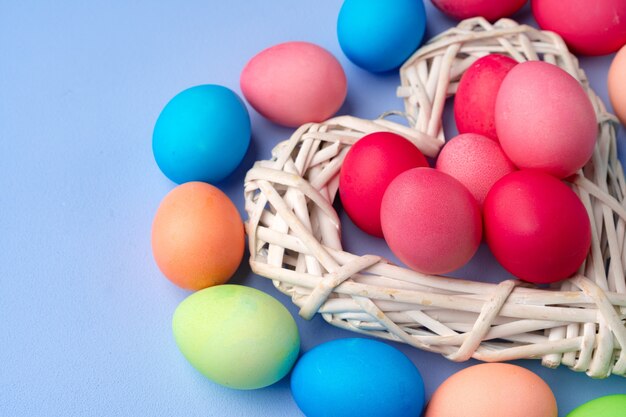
544 119
617 84
475 99
293 83
493 389
476 161
197 236
430 221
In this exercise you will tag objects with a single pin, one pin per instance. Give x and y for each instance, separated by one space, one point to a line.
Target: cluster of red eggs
525 129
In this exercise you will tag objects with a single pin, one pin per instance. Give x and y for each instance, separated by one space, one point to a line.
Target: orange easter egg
197 236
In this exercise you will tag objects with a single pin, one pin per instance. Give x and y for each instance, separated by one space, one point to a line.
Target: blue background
85 315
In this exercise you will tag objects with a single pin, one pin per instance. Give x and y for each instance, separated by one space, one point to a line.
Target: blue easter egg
202 134
379 35
357 377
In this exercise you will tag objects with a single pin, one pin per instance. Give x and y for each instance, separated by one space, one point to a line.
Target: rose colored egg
536 227
617 84
493 389
544 119
589 27
491 10
475 99
430 221
293 83
197 236
370 165
476 161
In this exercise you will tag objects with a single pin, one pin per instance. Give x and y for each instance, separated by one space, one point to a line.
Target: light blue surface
85 314
202 134
357 377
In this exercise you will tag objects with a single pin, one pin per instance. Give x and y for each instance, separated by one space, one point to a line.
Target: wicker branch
295 235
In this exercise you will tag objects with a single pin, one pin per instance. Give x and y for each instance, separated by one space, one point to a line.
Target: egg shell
493 389
357 377
293 83
475 99
617 84
202 134
536 227
370 165
379 36
197 236
476 161
430 221
609 405
544 119
596 27
491 10
236 336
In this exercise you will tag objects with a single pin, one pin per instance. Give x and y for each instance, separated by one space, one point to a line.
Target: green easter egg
608 406
237 336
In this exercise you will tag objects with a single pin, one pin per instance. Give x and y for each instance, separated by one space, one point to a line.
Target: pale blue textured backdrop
84 312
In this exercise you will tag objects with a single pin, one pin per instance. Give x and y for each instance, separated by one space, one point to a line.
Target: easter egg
617 85
197 236
475 99
379 36
491 10
202 134
476 161
293 83
430 221
357 377
236 336
370 165
536 227
609 405
544 119
493 389
596 27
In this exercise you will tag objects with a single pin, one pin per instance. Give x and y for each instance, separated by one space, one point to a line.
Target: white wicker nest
294 231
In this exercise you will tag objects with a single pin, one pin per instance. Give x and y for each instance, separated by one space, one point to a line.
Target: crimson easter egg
536 227
475 160
475 99
491 10
430 221
544 119
589 27
370 165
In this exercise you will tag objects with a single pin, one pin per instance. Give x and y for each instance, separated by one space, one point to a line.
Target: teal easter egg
202 134
237 336
607 406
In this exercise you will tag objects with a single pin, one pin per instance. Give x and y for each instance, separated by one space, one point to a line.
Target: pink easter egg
370 165
476 161
430 221
589 27
544 119
536 226
491 10
475 99
293 83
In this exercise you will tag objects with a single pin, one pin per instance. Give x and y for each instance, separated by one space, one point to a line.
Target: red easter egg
475 99
589 27
476 161
536 227
545 120
491 10
370 165
430 221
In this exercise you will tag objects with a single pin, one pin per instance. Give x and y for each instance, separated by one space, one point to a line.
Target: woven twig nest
295 233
